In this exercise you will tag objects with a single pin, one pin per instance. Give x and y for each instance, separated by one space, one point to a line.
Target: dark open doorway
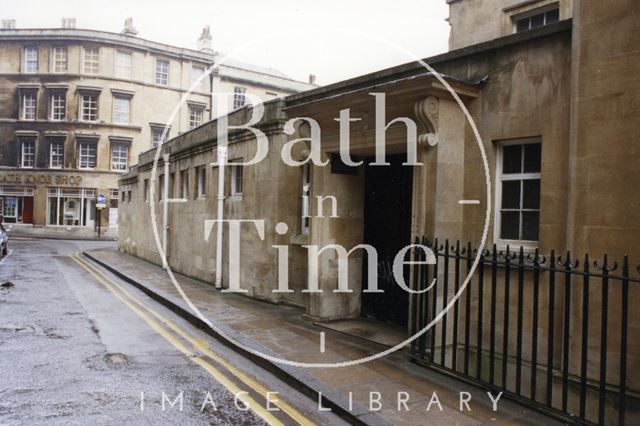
387 227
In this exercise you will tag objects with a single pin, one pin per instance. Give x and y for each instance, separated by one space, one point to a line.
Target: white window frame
121 110
28 151
60 155
196 116
528 15
196 73
202 182
91 62
502 243
156 136
59 58
31 60
237 178
58 106
161 76
123 64
32 106
90 107
84 152
239 97
119 157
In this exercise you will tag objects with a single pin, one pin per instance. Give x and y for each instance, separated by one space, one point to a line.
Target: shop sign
40 179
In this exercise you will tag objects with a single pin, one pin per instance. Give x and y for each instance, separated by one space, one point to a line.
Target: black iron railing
549 331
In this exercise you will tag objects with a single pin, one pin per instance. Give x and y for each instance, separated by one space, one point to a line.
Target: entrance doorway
387 227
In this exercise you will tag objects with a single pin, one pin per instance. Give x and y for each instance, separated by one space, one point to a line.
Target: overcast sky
334 39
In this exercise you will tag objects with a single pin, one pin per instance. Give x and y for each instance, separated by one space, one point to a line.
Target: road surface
79 346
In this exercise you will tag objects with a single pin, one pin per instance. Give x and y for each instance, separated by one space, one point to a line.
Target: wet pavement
74 353
281 331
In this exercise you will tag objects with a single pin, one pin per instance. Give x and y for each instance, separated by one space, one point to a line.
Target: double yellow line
165 327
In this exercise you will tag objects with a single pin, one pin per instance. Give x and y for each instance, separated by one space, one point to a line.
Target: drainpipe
165 204
222 161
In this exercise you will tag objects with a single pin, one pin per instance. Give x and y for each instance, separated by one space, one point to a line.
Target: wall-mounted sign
40 179
101 201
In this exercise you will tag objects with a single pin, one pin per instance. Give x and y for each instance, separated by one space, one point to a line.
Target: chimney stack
8 24
204 41
129 29
312 79
69 23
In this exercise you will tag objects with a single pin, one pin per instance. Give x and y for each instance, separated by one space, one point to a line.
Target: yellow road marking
202 346
232 387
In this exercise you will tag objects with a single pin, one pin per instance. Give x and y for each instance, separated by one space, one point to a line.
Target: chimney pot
312 79
69 23
129 29
204 41
8 24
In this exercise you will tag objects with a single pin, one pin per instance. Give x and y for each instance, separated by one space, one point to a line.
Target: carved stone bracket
426 111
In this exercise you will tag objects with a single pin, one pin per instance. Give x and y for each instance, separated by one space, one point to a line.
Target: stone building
78 106
553 89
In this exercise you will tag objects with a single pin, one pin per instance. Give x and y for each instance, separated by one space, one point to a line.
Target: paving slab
281 331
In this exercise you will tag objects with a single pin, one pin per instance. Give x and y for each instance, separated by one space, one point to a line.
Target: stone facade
477 21
133 86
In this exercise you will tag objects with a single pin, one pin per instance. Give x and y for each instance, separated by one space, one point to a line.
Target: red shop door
27 210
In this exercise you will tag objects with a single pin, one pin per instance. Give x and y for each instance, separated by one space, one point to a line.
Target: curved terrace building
77 106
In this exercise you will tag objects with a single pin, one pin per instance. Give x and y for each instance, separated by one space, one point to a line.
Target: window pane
532 157
522 25
510 226
553 16
531 194
511 194
512 159
530 222
537 20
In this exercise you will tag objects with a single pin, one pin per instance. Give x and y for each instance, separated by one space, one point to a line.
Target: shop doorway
387 227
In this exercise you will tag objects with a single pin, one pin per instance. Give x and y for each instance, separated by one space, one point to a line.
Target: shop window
31 59
162 72
91 60
56 153
124 65
16 204
88 155
195 116
29 106
28 153
113 198
89 107
121 110
239 97
59 59
518 191
58 106
236 178
71 207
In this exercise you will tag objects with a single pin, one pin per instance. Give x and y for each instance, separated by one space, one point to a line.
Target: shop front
46 203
